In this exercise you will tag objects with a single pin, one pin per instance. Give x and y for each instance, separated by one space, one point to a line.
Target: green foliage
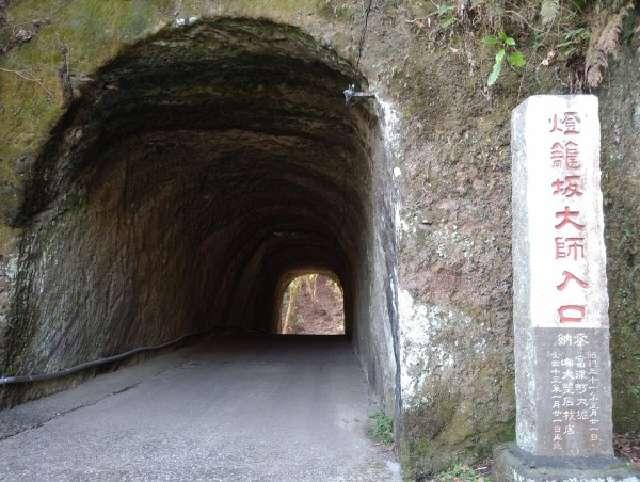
505 46
574 40
629 29
635 391
446 15
382 429
460 472
579 5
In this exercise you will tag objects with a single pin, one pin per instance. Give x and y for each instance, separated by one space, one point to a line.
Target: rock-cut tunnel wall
197 170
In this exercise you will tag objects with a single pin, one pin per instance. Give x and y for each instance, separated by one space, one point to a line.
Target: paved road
280 408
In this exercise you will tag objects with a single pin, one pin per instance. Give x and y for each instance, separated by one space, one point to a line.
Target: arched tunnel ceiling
268 92
197 169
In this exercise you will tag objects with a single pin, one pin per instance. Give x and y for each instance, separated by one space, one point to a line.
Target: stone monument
560 302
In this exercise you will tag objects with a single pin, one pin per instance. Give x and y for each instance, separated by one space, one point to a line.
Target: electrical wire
363 38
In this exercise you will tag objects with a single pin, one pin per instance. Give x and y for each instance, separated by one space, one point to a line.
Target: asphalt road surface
272 409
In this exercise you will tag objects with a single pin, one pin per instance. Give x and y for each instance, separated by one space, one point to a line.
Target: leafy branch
505 46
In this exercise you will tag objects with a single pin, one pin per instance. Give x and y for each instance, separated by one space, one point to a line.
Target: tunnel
183 185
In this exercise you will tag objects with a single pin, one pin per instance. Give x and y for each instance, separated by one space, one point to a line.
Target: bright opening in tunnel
200 167
312 304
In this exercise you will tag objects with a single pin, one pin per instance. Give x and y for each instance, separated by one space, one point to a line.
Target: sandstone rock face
185 165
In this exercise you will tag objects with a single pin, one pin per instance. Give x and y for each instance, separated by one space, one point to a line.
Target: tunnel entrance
200 167
311 304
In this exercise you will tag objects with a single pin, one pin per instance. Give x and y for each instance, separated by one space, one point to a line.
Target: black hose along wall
200 167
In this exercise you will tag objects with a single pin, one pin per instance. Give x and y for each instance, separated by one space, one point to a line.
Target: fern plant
574 40
459 472
505 46
382 429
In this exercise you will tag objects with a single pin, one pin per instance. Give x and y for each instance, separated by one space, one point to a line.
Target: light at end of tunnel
312 304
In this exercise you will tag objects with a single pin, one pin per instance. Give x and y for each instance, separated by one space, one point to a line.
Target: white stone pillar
560 302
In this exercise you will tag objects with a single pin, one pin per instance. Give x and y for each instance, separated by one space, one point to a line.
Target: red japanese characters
569 245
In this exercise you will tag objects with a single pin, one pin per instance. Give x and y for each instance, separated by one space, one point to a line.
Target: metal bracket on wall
350 94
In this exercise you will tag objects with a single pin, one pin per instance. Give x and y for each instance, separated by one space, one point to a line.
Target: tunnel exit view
312 305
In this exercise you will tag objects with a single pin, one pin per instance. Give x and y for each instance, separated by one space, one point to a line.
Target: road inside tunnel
237 408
